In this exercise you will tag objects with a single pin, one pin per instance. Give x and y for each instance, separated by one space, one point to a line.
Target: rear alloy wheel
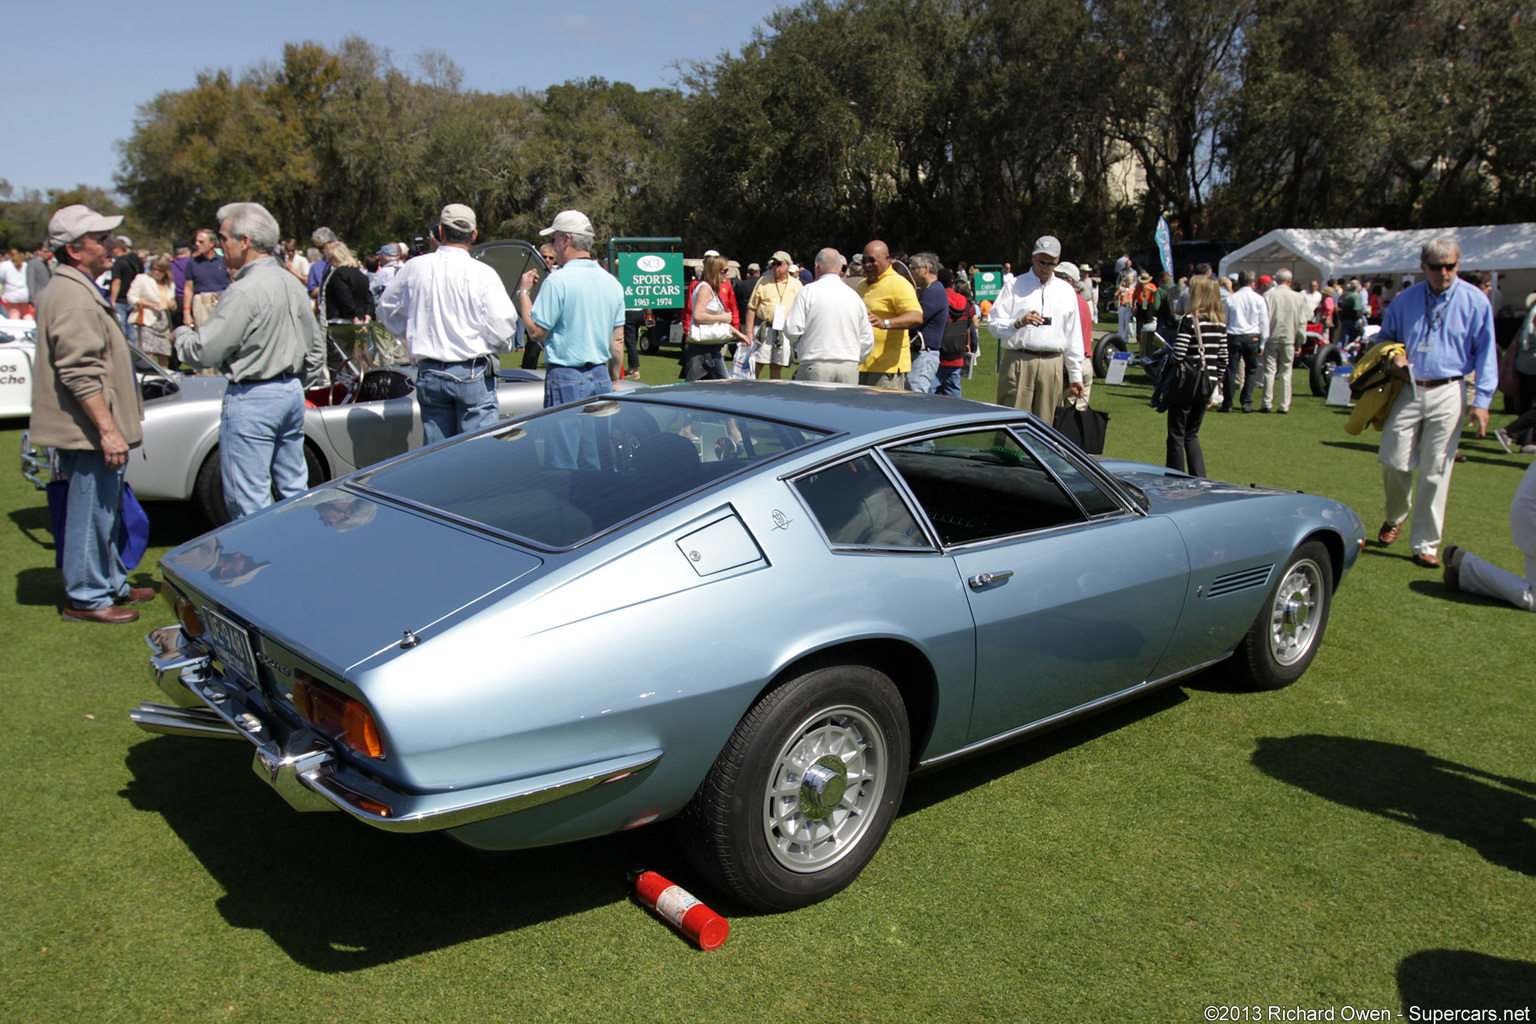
805 791
1285 636
1327 359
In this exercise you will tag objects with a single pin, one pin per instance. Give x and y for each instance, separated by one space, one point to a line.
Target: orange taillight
180 607
339 716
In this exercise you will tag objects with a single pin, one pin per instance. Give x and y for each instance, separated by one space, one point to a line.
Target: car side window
857 505
983 485
1090 494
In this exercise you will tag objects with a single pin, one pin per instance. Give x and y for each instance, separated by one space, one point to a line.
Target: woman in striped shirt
1205 318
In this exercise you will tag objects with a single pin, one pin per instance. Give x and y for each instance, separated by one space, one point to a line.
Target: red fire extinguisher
680 909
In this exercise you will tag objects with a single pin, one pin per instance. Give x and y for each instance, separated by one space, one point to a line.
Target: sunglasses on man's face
1441 266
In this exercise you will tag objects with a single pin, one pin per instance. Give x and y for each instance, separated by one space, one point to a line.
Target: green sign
651 280
987 282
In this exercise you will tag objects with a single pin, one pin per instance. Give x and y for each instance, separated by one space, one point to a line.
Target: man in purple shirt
1446 325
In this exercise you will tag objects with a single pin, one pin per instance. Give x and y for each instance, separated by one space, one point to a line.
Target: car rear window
561 477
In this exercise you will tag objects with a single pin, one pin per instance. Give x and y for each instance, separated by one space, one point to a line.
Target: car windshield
562 477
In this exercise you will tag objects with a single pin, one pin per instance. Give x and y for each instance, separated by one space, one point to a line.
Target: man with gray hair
265 340
1287 329
929 336
1445 326
828 325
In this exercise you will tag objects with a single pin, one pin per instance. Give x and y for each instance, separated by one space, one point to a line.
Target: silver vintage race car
368 413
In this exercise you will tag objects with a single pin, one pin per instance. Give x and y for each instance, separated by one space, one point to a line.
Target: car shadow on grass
1490 813
338 896
1453 979
929 789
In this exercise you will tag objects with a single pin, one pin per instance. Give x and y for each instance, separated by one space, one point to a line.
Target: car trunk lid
338 577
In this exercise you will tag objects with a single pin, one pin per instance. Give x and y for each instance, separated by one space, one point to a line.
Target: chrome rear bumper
35 460
303 766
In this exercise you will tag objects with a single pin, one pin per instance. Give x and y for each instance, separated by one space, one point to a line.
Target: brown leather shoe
1389 532
1426 561
137 595
110 616
1452 575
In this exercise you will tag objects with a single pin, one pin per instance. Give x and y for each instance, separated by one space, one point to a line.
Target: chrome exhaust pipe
176 721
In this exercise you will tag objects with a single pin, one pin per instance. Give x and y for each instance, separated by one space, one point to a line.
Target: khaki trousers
1279 358
1031 381
1420 433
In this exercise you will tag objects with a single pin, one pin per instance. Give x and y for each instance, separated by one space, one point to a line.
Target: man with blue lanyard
1446 325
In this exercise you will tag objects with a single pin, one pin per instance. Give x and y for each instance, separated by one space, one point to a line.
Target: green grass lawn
1363 838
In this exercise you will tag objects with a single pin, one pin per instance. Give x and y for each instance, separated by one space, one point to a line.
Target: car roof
835 408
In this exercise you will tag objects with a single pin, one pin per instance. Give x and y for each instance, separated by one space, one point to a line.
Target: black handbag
1191 386
1083 427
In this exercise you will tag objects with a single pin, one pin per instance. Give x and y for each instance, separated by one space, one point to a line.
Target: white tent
1508 250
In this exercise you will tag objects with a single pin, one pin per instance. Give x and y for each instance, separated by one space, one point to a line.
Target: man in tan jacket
86 405
1287 329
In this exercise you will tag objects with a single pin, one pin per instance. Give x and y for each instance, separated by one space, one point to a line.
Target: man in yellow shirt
893 311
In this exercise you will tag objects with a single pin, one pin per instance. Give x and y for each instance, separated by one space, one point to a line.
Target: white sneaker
1502 436
1529 449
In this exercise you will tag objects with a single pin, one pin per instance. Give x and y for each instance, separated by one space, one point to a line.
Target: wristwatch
886 324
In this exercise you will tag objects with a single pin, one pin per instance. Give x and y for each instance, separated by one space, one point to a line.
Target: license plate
232 644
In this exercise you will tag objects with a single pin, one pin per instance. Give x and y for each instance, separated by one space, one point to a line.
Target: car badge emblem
780 520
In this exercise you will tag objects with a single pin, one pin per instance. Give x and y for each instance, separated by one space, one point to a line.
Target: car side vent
1232 582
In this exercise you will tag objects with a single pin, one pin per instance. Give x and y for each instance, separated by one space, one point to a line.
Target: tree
1166 69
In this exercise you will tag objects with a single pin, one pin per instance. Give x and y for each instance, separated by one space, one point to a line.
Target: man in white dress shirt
828 325
1247 327
455 315
1035 320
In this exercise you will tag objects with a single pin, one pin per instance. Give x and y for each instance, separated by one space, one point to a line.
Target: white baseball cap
571 222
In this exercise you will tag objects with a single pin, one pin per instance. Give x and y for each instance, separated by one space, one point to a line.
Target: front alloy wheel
1285 635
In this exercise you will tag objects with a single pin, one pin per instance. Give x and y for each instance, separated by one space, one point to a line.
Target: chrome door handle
981 579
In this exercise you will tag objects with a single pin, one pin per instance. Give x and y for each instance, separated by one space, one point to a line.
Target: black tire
773 846
1103 351
314 466
647 341
1285 636
208 490
1324 362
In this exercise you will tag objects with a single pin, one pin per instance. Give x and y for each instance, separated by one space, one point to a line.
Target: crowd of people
241 302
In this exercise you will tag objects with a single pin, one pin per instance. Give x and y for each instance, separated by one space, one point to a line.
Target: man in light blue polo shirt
578 318
1447 327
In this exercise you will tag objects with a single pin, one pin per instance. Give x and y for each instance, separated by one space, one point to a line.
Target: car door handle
981 579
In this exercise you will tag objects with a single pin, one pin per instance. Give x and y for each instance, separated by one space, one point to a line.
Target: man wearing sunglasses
1446 326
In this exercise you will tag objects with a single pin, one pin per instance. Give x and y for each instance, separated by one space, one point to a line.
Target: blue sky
61 122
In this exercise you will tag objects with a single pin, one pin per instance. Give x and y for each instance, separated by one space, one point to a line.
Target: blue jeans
948 381
704 362
129 330
94 574
261 445
925 368
575 445
455 398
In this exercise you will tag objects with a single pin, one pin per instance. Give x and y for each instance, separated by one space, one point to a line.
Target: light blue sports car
757 607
